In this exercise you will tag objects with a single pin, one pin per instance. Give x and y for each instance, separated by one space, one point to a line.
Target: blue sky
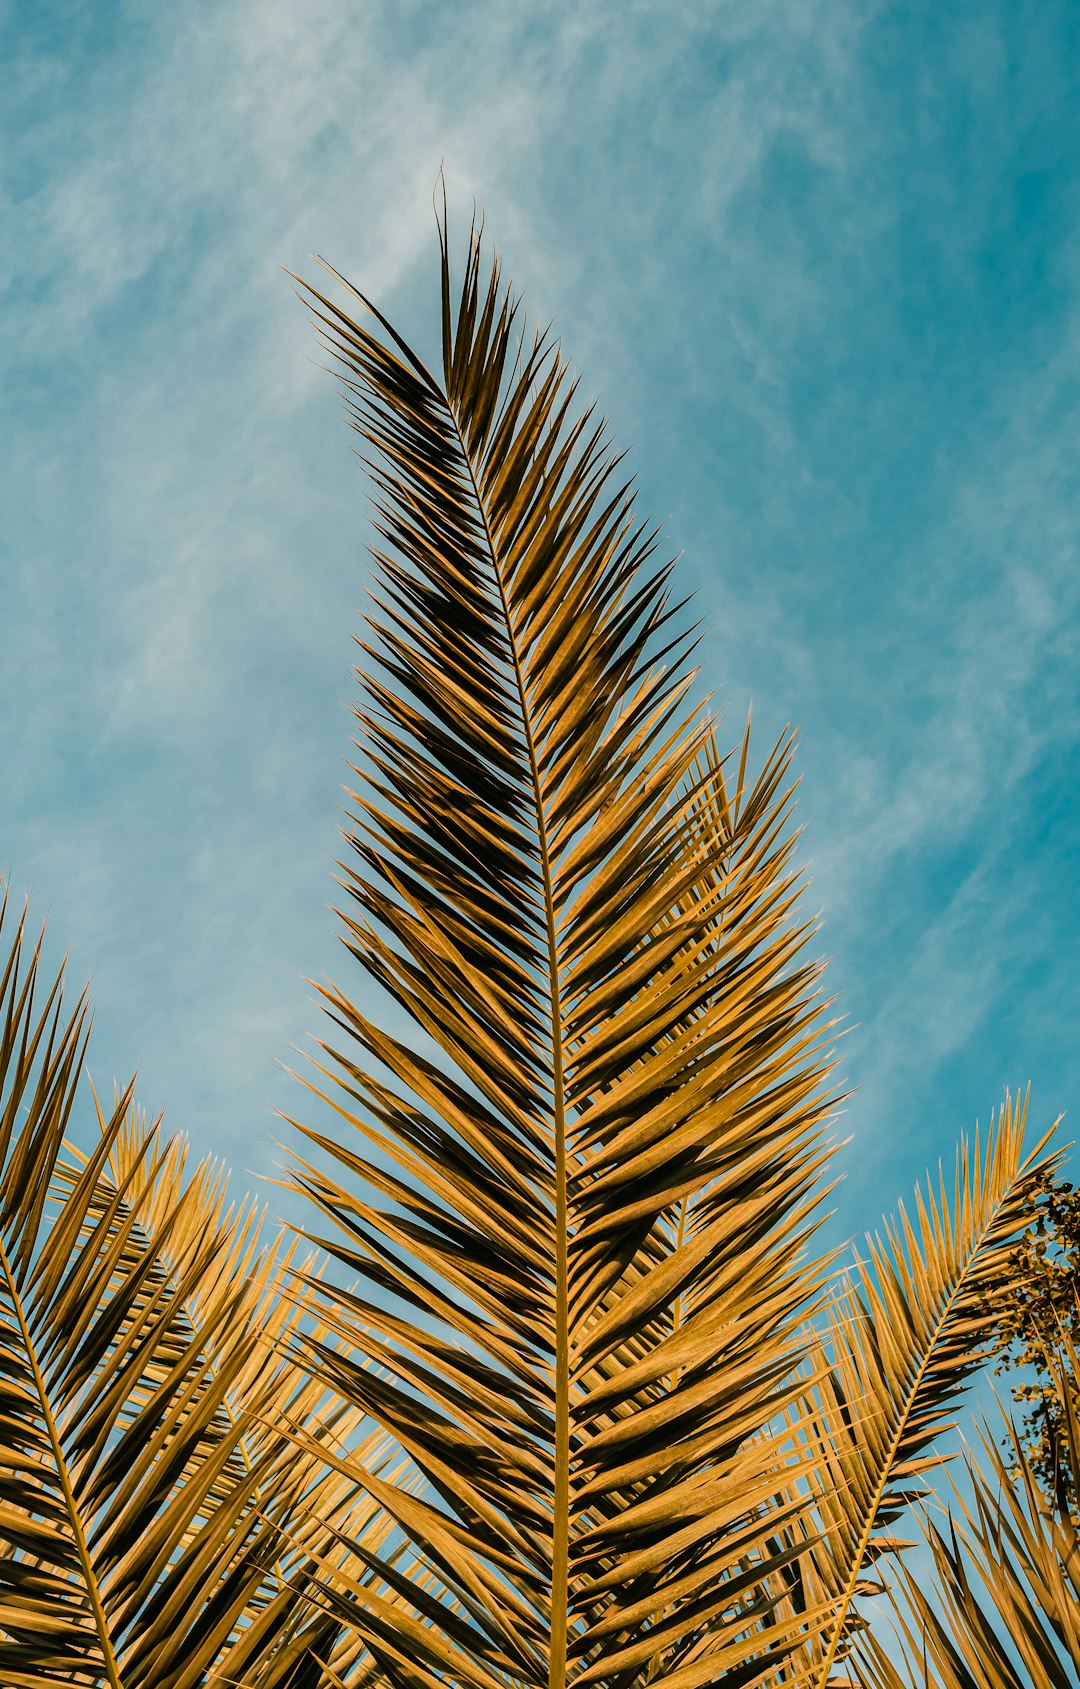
819 261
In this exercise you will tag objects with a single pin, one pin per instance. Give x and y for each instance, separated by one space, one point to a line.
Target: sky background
821 264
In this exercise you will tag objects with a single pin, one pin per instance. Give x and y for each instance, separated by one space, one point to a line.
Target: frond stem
560 1540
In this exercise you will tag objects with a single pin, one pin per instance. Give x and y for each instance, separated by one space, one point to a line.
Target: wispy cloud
739 216
189 542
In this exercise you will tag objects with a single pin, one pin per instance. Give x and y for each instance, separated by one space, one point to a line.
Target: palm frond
900 1341
578 1202
156 1524
1007 1613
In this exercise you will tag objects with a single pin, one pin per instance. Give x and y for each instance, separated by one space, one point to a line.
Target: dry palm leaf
155 1528
1007 1608
578 1208
902 1339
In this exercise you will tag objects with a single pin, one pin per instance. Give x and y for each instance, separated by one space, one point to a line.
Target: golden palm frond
157 1526
900 1340
579 1206
1007 1607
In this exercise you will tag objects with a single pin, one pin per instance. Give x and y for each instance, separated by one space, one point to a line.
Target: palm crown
582 1406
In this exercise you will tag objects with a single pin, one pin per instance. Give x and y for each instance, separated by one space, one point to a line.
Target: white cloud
190 536
189 539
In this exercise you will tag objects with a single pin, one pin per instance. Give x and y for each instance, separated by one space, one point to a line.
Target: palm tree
575 1399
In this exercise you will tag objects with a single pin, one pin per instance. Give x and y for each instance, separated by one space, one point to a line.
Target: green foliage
1036 1313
